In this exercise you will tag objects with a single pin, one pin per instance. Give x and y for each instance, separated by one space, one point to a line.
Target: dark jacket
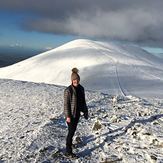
74 102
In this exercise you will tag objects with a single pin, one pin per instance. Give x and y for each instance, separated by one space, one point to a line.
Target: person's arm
67 106
85 107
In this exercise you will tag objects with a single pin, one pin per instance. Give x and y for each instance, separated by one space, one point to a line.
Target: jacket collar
74 89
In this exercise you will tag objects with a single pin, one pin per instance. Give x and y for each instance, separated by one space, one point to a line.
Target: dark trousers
71 131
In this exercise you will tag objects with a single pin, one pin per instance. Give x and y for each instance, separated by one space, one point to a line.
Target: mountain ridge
108 67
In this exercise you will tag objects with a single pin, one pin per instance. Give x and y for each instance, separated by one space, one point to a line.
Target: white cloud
137 20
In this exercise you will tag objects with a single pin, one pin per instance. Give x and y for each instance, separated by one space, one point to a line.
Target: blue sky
11 34
47 24
154 50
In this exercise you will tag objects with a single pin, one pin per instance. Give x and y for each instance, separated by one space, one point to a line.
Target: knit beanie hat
75 74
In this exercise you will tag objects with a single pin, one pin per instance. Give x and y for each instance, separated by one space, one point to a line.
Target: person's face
75 82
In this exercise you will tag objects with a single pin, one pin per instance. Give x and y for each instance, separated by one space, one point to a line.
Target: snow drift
111 67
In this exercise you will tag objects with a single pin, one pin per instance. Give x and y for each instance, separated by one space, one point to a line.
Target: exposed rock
115 119
111 159
97 126
78 140
105 116
145 112
114 100
153 157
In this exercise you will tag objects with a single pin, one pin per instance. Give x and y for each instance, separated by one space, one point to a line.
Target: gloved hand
86 115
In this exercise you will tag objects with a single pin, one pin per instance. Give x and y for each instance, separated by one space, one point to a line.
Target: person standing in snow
74 103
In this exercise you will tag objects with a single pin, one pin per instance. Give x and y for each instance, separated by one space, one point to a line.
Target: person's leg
71 131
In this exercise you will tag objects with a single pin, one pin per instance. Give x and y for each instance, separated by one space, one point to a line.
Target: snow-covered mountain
111 67
122 128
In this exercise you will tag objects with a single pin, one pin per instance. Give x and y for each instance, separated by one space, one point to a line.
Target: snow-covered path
33 127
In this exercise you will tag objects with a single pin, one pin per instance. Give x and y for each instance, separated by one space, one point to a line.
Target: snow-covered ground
124 91
114 68
119 129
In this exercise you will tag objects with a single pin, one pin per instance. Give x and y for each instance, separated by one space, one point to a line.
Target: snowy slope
33 128
111 67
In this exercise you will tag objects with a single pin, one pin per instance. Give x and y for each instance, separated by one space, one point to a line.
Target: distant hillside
10 59
9 56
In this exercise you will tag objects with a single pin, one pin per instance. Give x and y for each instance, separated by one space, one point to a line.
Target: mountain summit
106 66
